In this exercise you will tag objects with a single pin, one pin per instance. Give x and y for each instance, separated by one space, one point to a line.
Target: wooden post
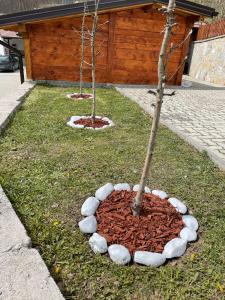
22 29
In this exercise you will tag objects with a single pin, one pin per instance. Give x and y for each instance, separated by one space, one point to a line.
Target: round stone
175 248
160 194
119 254
180 207
89 206
103 192
122 187
98 243
190 222
88 225
149 258
188 234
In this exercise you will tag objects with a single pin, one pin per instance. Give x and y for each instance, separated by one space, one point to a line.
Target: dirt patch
158 223
88 122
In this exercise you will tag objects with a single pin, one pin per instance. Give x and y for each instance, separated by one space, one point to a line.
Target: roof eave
76 9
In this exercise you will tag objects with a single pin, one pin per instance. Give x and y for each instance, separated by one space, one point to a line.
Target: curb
12 103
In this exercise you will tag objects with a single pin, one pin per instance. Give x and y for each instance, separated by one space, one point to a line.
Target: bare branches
164 94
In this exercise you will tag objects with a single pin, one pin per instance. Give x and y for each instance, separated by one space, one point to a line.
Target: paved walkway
197 114
23 273
9 82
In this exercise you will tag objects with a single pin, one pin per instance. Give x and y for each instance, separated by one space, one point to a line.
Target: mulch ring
81 96
158 223
88 122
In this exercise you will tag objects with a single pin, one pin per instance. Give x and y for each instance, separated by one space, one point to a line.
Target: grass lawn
48 169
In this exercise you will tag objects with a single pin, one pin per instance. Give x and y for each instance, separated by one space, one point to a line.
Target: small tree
93 54
83 37
169 11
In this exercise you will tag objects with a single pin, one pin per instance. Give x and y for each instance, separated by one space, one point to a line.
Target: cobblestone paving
197 114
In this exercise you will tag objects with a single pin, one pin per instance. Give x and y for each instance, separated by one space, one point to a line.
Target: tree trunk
136 207
93 34
82 47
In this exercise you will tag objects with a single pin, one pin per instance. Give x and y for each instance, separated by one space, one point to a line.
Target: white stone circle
76 118
120 254
70 96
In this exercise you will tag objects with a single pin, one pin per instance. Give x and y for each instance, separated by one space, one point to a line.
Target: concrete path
9 82
11 100
197 114
23 273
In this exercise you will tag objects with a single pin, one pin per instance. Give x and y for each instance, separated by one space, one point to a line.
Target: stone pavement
23 273
197 114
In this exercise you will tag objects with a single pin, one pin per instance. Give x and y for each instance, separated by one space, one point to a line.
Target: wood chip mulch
158 223
87 122
83 96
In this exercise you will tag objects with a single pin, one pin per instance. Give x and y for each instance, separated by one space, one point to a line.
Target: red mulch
158 223
83 96
88 122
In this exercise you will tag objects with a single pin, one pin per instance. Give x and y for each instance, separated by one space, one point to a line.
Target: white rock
119 254
75 118
98 243
106 119
103 192
149 258
89 206
122 187
190 222
180 207
160 194
78 126
88 225
175 248
136 188
188 234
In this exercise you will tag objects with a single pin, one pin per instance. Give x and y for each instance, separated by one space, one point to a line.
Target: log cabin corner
128 40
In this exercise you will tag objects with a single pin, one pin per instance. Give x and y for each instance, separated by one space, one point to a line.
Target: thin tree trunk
82 47
136 207
93 34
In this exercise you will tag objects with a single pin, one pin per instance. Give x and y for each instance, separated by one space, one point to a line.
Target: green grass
48 169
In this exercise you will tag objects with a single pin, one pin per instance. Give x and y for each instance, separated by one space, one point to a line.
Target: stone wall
208 60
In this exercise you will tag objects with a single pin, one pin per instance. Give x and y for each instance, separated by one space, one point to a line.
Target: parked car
9 63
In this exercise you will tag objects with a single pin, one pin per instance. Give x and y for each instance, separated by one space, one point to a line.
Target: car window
4 58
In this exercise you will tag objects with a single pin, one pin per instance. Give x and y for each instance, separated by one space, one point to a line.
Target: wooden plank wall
128 43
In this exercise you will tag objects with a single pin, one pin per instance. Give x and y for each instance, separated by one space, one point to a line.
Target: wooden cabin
127 43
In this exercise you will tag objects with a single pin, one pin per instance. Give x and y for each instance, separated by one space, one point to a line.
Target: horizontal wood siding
56 50
128 43
137 42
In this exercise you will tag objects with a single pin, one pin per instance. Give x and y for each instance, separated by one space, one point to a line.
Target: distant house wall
128 44
2 49
208 54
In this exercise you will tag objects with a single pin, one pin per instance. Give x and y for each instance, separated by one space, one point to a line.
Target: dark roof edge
77 8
